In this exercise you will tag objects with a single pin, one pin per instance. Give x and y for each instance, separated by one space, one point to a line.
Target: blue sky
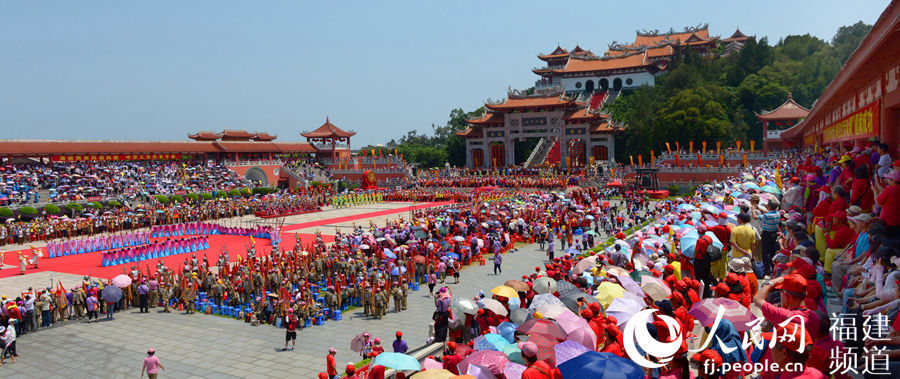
128 70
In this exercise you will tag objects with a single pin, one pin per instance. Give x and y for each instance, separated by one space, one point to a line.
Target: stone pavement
217 347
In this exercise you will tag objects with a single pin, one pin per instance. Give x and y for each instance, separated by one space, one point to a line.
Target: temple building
626 66
571 133
330 141
778 120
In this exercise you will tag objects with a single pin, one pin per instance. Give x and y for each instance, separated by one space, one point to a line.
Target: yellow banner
744 156
738 145
668 149
691 147
704 146
752 145
860 124
718 147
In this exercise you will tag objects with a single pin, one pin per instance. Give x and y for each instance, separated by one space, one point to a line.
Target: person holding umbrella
537 369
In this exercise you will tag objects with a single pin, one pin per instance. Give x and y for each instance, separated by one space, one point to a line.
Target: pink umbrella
484 358
630 285
513 370
655 287
585 264
569 349
542 326
121 281
570 321
584 336
705 312
431 363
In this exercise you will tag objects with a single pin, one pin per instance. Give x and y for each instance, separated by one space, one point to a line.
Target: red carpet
89 264
336 220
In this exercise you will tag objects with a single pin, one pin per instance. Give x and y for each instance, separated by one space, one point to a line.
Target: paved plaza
212 346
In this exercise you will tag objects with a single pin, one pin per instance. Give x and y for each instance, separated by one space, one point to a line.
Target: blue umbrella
771 189
397 270
508 331
397 361
686 207
601 366
572 251
390 254
490 341
453 255
688 241
578 232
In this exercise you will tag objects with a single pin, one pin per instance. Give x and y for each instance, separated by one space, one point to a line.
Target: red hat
322 375
708 355
795 179
669 269
399 334
587 313
723 215
732 278
655 272
595 307
350 368
793 283
451 346
480 311
789 336
721 289
680 285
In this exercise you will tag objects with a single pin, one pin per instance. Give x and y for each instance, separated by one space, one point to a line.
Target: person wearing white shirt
8 336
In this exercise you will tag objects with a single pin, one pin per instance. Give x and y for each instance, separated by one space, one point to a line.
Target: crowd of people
782 241
72 181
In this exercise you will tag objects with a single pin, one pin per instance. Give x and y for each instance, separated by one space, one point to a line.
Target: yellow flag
778 176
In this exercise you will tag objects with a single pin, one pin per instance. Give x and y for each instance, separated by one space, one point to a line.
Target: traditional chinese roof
489 118
790 110
602 127
470 132
205 136
295 147
653 39
579 52
577 64
236 134
582 115
542 99
264 137
328 130
663 51
559 52
736 37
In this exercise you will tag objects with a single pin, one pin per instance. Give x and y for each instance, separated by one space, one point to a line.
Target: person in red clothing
861 189
537 369
331 365
702 265
735 266
708 363
376 372
842 236
377 349
291 330
451 359
736 289
820 357
350 370
888 198
791 354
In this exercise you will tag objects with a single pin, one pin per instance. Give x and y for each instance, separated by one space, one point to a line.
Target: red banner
112 157
93 198
860 124
180 192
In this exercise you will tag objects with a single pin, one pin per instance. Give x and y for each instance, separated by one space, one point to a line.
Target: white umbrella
494 306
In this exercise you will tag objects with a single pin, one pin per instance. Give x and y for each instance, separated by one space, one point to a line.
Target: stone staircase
541 151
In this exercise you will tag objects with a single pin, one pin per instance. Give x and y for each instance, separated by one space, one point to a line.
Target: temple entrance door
603 84
617 84
589 86
498 154
477 158
600 153
577 153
